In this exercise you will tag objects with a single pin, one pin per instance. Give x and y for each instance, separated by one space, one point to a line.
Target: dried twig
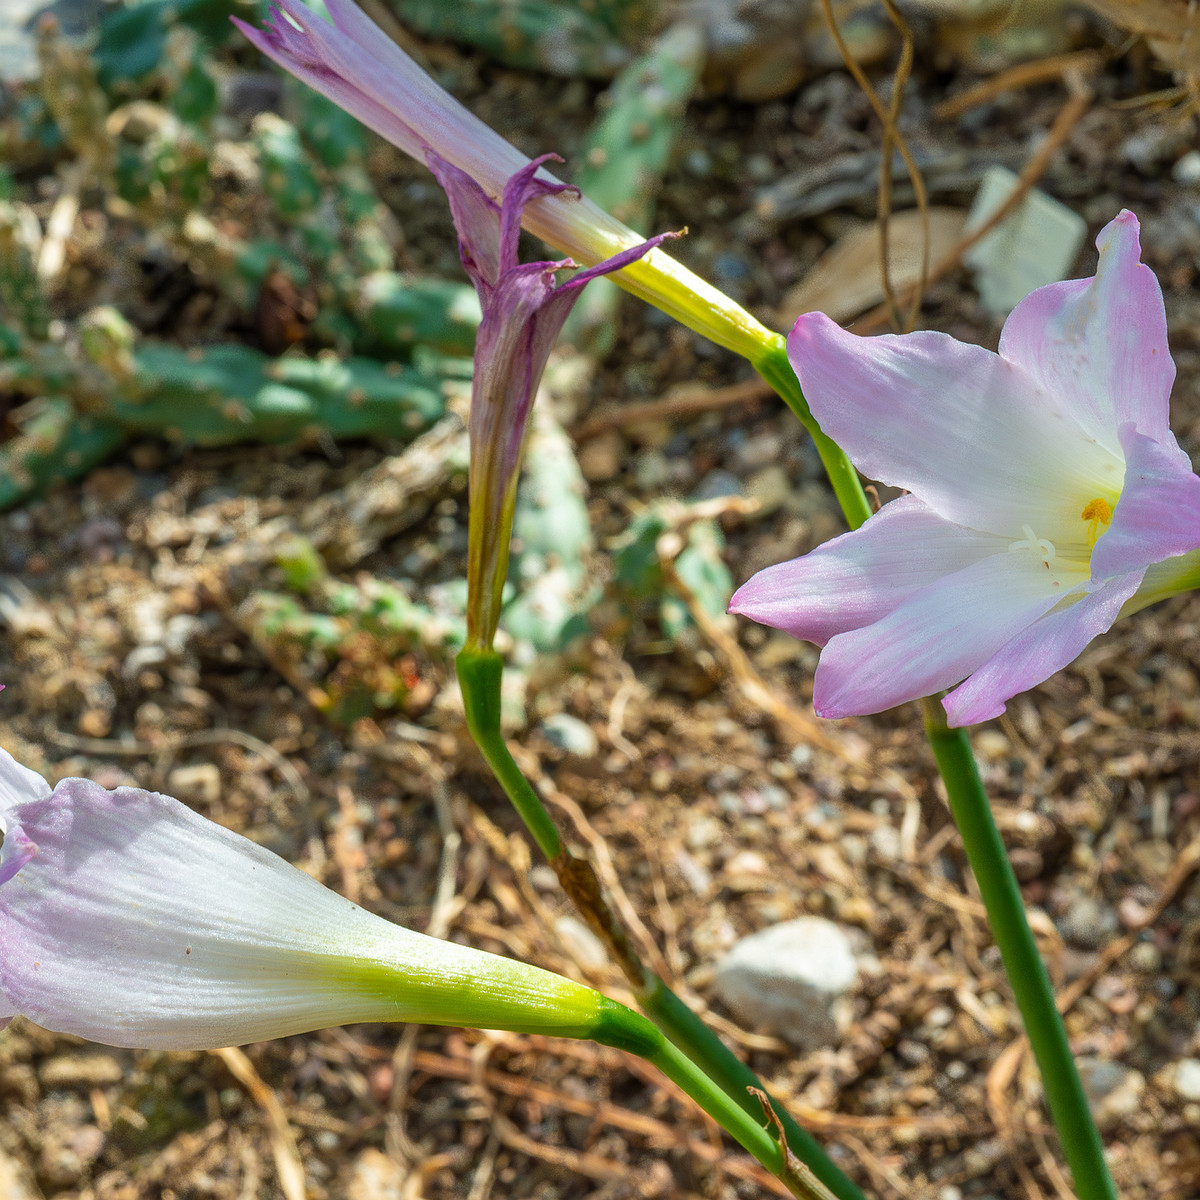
1021 76
126 748
800 727
892 138
283 1142
1077 104
683 404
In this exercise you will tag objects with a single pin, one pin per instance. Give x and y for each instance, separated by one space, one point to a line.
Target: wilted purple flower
523 312
1045 487
355 64
128 919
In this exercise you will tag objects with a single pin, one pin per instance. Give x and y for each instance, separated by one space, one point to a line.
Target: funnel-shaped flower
1044 484
128 919
355 64
523 313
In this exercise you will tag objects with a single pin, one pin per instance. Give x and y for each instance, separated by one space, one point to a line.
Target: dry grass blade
799 727
892 139
283 1142
1068 117
659 1133
204 737
1004 1069
1021 76
1184 867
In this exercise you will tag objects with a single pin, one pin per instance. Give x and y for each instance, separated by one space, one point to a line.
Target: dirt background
127 663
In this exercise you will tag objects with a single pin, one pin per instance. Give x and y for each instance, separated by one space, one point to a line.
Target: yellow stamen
1096 512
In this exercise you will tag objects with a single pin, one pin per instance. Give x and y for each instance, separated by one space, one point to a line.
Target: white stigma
1042 547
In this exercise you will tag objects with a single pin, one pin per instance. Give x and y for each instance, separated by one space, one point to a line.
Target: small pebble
1187 169
571 734
1088 923
200 782
1187 1078
717 483
788 979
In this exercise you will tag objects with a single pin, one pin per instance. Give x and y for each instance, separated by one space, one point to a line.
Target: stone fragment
1187 1078
571 734
790 979
1088 923
199 783
376 1177
15 1182
1113 1090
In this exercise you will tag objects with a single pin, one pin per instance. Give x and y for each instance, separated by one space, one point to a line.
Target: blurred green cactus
625 157
360 647
22 299
641 586
84 406
134 38
562 37
52 442
552 538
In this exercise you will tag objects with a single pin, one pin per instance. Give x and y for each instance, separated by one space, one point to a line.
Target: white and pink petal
1158 515
139 923
858 578
1099 345
953 423
1038 651
935 638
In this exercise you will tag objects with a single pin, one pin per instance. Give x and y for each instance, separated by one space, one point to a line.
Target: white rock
1114 1091
790 979
571 734
1187 1078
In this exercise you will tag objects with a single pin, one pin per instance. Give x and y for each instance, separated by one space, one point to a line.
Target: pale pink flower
1044 482
128 919
360 68
524 310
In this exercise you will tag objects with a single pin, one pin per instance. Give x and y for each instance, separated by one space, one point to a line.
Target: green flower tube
128 919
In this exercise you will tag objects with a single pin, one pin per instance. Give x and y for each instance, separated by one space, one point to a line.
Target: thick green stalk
732 1075
972 814
772 364
627 1030
479 673
1031 986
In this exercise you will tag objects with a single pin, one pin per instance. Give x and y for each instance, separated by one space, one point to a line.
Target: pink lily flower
128 919
1046 489
524 311
360 68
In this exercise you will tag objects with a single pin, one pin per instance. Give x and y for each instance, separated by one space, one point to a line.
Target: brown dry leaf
1170 27
846 280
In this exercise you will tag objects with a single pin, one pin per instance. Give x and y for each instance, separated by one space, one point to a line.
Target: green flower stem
627 1030
479 673
774 367
732 1075
972 814
689 1040
1065 1097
